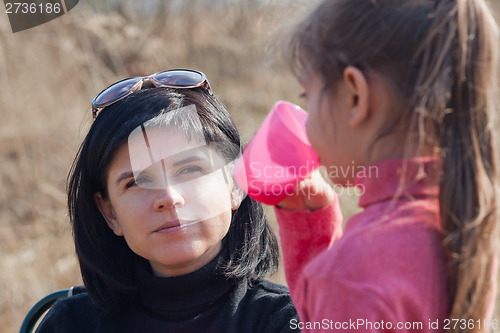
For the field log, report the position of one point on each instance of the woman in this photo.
(165, 240)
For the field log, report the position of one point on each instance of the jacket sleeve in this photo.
(305, 234)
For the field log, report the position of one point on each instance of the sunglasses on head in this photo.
(172, 78)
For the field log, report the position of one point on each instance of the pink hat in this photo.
(278, 157)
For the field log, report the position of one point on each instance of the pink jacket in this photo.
(387, 272)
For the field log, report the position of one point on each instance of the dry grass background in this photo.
(48, 77)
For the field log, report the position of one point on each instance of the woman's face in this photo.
(170, 199)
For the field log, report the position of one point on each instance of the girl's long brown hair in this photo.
(440, 59)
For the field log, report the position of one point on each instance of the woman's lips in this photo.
(168, 226)
(174, 226)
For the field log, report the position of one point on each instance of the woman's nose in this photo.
(167, 198)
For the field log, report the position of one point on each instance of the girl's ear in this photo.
(108, 213)
(357, 87)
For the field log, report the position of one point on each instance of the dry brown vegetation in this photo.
(49, 75)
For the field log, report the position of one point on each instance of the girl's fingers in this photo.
(310, 194)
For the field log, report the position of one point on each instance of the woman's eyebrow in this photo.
(191, 155)
(123, 176)
(188, 160)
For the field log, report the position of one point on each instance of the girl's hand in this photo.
(310, 194)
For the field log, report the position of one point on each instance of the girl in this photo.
(165, 241)
(403, 92)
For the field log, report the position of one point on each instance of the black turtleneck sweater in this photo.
(201, 301)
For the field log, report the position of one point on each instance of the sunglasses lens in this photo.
(180, 78)
(115, 91)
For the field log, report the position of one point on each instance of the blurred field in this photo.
(49, 76)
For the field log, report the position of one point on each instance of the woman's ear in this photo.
(237, 196)
(108, 213)
(236, 192)
(358, 89)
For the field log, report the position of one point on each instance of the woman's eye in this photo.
(190, 170)
(137, 182)
(188, 173)
(130, 184)
(303, 95)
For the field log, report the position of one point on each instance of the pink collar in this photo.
(398, 178)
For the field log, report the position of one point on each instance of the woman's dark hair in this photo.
(107, 263)
(439, 58)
